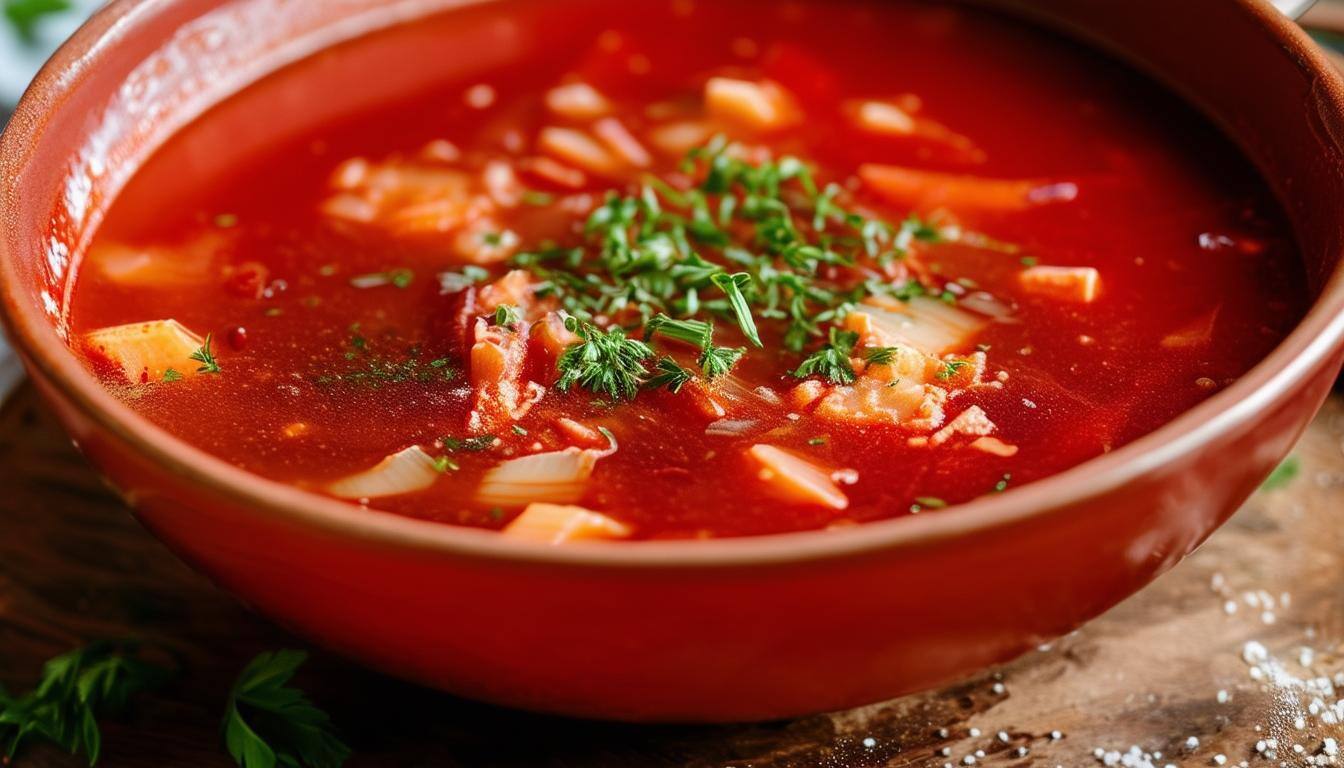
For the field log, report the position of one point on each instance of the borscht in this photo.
(675, 270)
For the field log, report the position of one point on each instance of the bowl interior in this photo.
(140, 71)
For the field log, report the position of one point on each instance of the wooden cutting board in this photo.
(74, 566)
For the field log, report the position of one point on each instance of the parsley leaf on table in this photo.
(24, 15)
(74, 687)
(269, 724)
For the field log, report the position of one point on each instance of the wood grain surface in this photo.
(75, 566)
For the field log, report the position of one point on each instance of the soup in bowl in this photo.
(529, 351)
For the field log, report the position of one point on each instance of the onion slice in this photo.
(555, 477)
(403, 472)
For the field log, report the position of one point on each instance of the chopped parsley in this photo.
(1002, 485)
(205, 357)
(444, 464)
(170, 375)
(817, 441)
(831, 362)
(507, 316)
(716, 361)
(670, 375)
(518, 430)
(400, 278)
(881, 355)
(473, 444)
(927, 502)
(374, 369)
(950, 368)
(452, 282)
(751, 242)
(733, 286)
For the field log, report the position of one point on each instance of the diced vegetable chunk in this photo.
(1076, 284)
(795, 480)
(927, 324)
(144, 352)
(557, 477)
(561, 523)
(580, 150)
(962, 193)
(761, 106)
(502, 396)
(405, 471)
(577, 101)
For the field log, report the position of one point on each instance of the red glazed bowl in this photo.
(691, 631)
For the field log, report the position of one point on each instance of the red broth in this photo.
(317, 276)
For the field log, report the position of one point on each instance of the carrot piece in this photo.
(794, 479)
(577, 101)
(497, 360)
(618, 139)
(561, 523)
(579, 149)
(762, 106)
(580, 433)
(994, 446)
(1078, 284)
(931, 189)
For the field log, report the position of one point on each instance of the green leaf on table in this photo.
(24, 15)
(268, 723)
(1282, 474)
(74, 688)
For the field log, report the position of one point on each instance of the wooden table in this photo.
(75, 566)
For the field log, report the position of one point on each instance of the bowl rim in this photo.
(1309, 345)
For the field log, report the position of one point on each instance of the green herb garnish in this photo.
(267, 723)
(881, 355)
(170, 375)
(206, 357)
(25, 15)
(604, 362)
(950, 369)
(716, 361)
(74, 689)
(474, 444)
(400, 278)
(507, 316)
(831, 362)
(670, 375)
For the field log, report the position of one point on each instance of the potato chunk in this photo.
(144, 352)
(961, 193)
(794, 479)
(561, 523)
(1075, 284)
(762, 106)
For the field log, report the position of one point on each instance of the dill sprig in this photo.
(831, 362)
(669, 374)
(206, 357)
(604, 362)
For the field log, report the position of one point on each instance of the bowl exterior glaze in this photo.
(730, 630)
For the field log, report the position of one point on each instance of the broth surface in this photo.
(339, 342)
